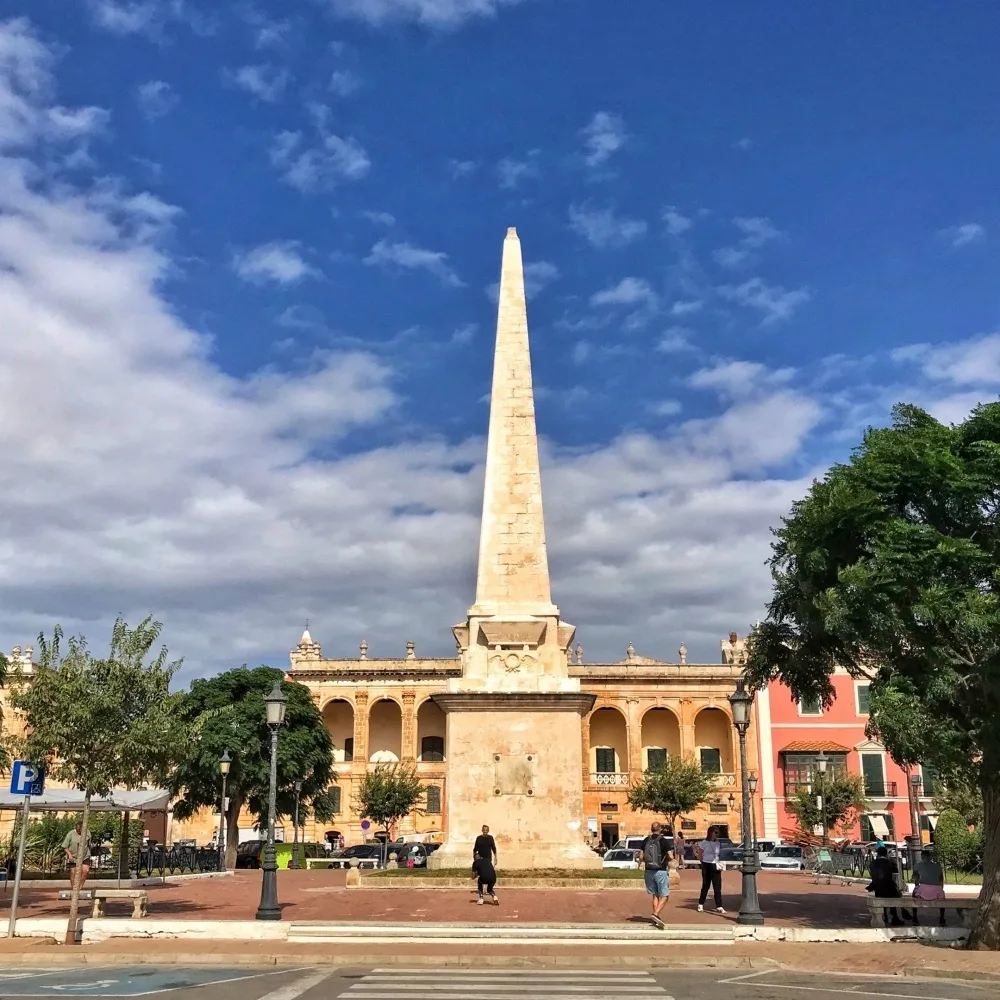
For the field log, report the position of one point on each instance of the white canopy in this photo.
(71, 800)
(879, 826)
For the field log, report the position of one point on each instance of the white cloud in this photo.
(465, 333)
(757, 231)
(432, 13)
(343, 82)
(731, 256)
(380, 218)
(462, 168)
(963, 235)
(628, 292)
(975, 361)
(602, 228)
(744, 145)
(686, 307)
(676, 222)
(147, 17)
(666, 408)
(603, 136)
(280, 261)
(157, 98)
(739, 378)
(581, 352)
(321, 166)
(773, 301)
(538, 275)
(263, 81)
(511, 172)
(413, 258)
(675, 340)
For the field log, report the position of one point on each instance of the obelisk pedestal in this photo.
(514, 716)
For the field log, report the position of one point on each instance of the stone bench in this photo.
(139, 897)
(964, 906)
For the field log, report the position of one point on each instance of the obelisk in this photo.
(514, 716)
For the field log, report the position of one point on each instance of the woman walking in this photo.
(707, 853)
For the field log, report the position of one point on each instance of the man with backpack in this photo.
(656, 862)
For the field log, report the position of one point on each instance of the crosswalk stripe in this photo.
(656, 994)
(461, 981)
(446, 973)
(577, 985)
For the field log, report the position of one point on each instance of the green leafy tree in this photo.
(843, 799)
(227, 712)
(388, 793)
(964, 798)
(890, 568)
(98, 724)
(676, 788)
(955, 844)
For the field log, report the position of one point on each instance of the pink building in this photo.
(793, 733)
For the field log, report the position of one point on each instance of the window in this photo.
(872, 827)
(864, 698)
(334, 793)
(348, 749)
(810, 706)
(928, 779)
(800, 770)
(873, 770)
(606, 760)
(433, 799)
(432, 748)
(711, 760)
(656, 759)
(609, 807)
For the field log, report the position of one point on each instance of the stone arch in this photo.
(608, 741)
(660, 733)
(338, 717)
(385, 731)
(430, 732)
(713, 738)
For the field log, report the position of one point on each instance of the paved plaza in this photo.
(787, 900)
(293, 983)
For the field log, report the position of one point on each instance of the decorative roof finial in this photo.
(630, 652)
(364, 649)
(579, 653)
(683, 653)
(410, 650)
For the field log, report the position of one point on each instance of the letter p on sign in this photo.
(26, 779)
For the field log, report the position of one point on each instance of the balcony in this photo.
(880, 789)
(617, 779)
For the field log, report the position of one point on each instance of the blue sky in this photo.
(248, 253)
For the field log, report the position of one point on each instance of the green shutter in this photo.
(864, 699)
(605, 760)
(711, 760)
(433, 799)
(872, 769)
(656, 760)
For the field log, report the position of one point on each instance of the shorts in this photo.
(657, 883)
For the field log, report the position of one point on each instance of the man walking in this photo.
(77, 853)
(656, 861)
(485, 847)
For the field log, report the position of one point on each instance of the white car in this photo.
(785, 858)
(622, 859)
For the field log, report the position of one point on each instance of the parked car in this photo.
(365, 856)
(412, 855)
(629, 844)
(620, 858)
(785, 858)
(765, 847)
(250, 854)
(730, 857)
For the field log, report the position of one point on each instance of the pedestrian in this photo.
(485, 847)
(655, 859)
(883, 884)
(679, 848)
(487, 878)
(928, 881)
(77, 853)
(711, 874)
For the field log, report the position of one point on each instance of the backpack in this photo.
(652, 852)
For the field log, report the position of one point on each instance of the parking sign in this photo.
(26, 779)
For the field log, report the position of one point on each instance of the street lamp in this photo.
(821, 764)
(274, 704)
(742, 702)
(752, 786)
(225, 762)
(294, 863)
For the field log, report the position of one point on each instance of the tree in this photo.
(676, 788)
(843, 800)
(99, 724)
(227, 712)
(890, 568)
(388, 793)
(956, 847)
(964, 798)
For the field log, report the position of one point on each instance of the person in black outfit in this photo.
(883, 884)
(487, 876)
(485, 847)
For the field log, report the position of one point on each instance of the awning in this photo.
(879, 827)
(931, 819)
(71, 800)
(813, 746)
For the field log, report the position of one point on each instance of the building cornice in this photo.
(514, 701)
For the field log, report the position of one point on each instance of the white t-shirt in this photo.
(710, 851)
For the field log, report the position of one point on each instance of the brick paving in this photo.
(787, 900)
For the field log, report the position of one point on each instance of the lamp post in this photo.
(752, 786)
(225, 762)
(268, 909)
(294, 863)
(822, 761)
(742, 702)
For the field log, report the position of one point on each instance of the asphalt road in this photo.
(456, 984)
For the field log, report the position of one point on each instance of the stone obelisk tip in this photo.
(511, 233)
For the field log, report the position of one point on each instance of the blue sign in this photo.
(26, 779)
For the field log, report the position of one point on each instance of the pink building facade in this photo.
(792, 734)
